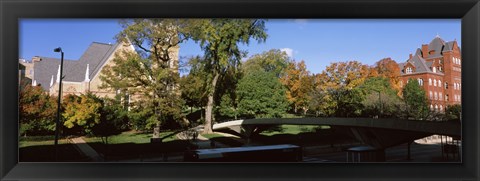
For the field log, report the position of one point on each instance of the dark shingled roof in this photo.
(73, 70)
(422, 66)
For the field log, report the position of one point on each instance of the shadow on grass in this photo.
(125, 151)
(46, 153)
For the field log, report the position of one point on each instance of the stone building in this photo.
(80, 76)
(437, 68)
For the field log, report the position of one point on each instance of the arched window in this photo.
(441, 108)
(454, 86)
(440, 96)
(446, 97)
(434, 82)
(439, 83)
(436, 96)
(446, 85)
(436, 107)
(429, 81)
(431, 107)
(409, 70)
(420, 81)
(431, 95)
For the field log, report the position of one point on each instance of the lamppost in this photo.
(57, 124)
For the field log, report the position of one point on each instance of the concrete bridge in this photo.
(378, 133)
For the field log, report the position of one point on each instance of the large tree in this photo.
(37, 111)
(82, 111)
(416, 101)
(274, 60)
(260, 95)
(299, 84)
(220, 39)
(150, 74)
(380, 98)
(337, 81)
(388, 68)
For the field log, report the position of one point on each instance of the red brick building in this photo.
(437, 68)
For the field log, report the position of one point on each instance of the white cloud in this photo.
(288, 51)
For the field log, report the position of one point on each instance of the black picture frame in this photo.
(11, 11)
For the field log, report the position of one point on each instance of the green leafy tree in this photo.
(150, 73)
(380, 98)
(220, 39)
(416, 101)
(113, 119)
(261, 95)
(37, 111)
(275, 61)
(453, 112)
(83, 111)
(337, 81)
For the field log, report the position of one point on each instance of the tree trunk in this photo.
(208, 114)
(156, 131)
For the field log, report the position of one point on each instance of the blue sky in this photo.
(318, 42)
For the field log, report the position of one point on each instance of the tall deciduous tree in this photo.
(260, 94)
(388, 68)
(416, 101)
(150, 74)
(380, 98)
(337, 80)
(220, 39)
(275, 61)
(299, 84)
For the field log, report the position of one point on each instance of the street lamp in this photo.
(57, 124)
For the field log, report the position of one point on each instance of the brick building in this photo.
(437, 68)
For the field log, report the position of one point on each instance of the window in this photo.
(446, 85)
(446, 97)
(431, 95)
(440, 96)
(436, 96)
(434, 82)
(409, 70)
(431, 107)
(429, 81)
(436, 107)
(439, 83)
(434, 69)
(420, 81)
(441, 108)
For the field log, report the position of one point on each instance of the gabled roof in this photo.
(437, 44)
(73, 70)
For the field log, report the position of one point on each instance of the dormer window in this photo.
(434, 69)
(409, 70)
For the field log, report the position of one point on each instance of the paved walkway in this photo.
(83, 147)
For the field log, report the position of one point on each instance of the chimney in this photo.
(36, 59)
(424, 50)
(410, 56)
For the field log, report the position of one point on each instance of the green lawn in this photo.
(39, 141)
(131, 137)
(212, 135)
(293, 129)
